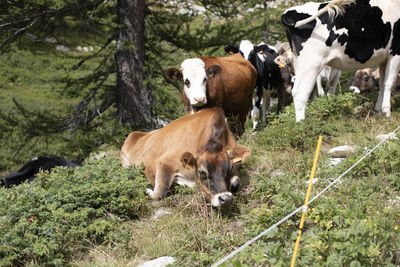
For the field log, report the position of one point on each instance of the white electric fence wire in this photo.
(233, 253)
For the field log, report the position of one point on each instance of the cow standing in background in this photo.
(285, 62)
(226, 82)
(269, 80)
(347, 35)
(195, 150)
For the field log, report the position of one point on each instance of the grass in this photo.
(354, 223)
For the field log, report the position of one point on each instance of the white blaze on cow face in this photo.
(194, 81)
(246, 47)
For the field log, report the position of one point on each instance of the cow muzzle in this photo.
(199, 101)
(354, 89)
(222, 200)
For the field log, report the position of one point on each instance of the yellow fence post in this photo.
(305, 207)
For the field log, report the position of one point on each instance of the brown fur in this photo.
(231, 89)
(181, 148)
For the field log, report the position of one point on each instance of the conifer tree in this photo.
(145, 33)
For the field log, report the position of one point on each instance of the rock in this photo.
(276, 172)
(160, 212)
(50, 40)
(159, 262)
(390, 136)
(334, 161)
(62, 48)
(98, 156)
(342, 151)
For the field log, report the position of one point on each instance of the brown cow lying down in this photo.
(226, 82)
(197, 149)
(366, 79)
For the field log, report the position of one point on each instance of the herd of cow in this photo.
(218, 93)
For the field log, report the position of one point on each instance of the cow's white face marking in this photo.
(194, 81)
(246, 47)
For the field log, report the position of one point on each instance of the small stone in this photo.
(276, 172)
(342, 151)
(159, 262)
(390, 136)
(161, 212)
(334, 161)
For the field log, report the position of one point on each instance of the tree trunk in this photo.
(134, 100)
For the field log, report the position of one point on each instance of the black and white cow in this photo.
(347, 35)
(269, 78)
(29, 170)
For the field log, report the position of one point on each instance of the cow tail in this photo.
(334, 8)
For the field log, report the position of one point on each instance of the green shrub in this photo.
(63, 213)
(283, 131)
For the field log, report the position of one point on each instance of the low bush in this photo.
(68, 211)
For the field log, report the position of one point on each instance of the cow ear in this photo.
(239, 154)
(260, 49)
(231, 49)
(212, 71)
(174, 74)
(280, 61)
(188, 160)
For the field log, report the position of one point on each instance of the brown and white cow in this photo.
(197, 149)
(285, 61)
(225, 82)
(366, 79)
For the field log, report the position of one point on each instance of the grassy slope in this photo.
(356, 222)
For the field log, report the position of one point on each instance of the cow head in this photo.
(286, 65)
(217, 174)
(364, 80)
(194, 77)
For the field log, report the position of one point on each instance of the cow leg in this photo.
(303, 86)
(378, 105)
(265, 104)
(389, 80)
(163, 180)
(255, 112)
(333, 83)
(319, 86)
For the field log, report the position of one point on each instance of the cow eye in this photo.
(205, 80)
(202, 174)
(187, 82)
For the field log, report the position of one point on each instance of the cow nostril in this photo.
(225, 199)
(199, 99)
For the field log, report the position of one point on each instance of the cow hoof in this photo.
(149, 192)
(386, 111)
